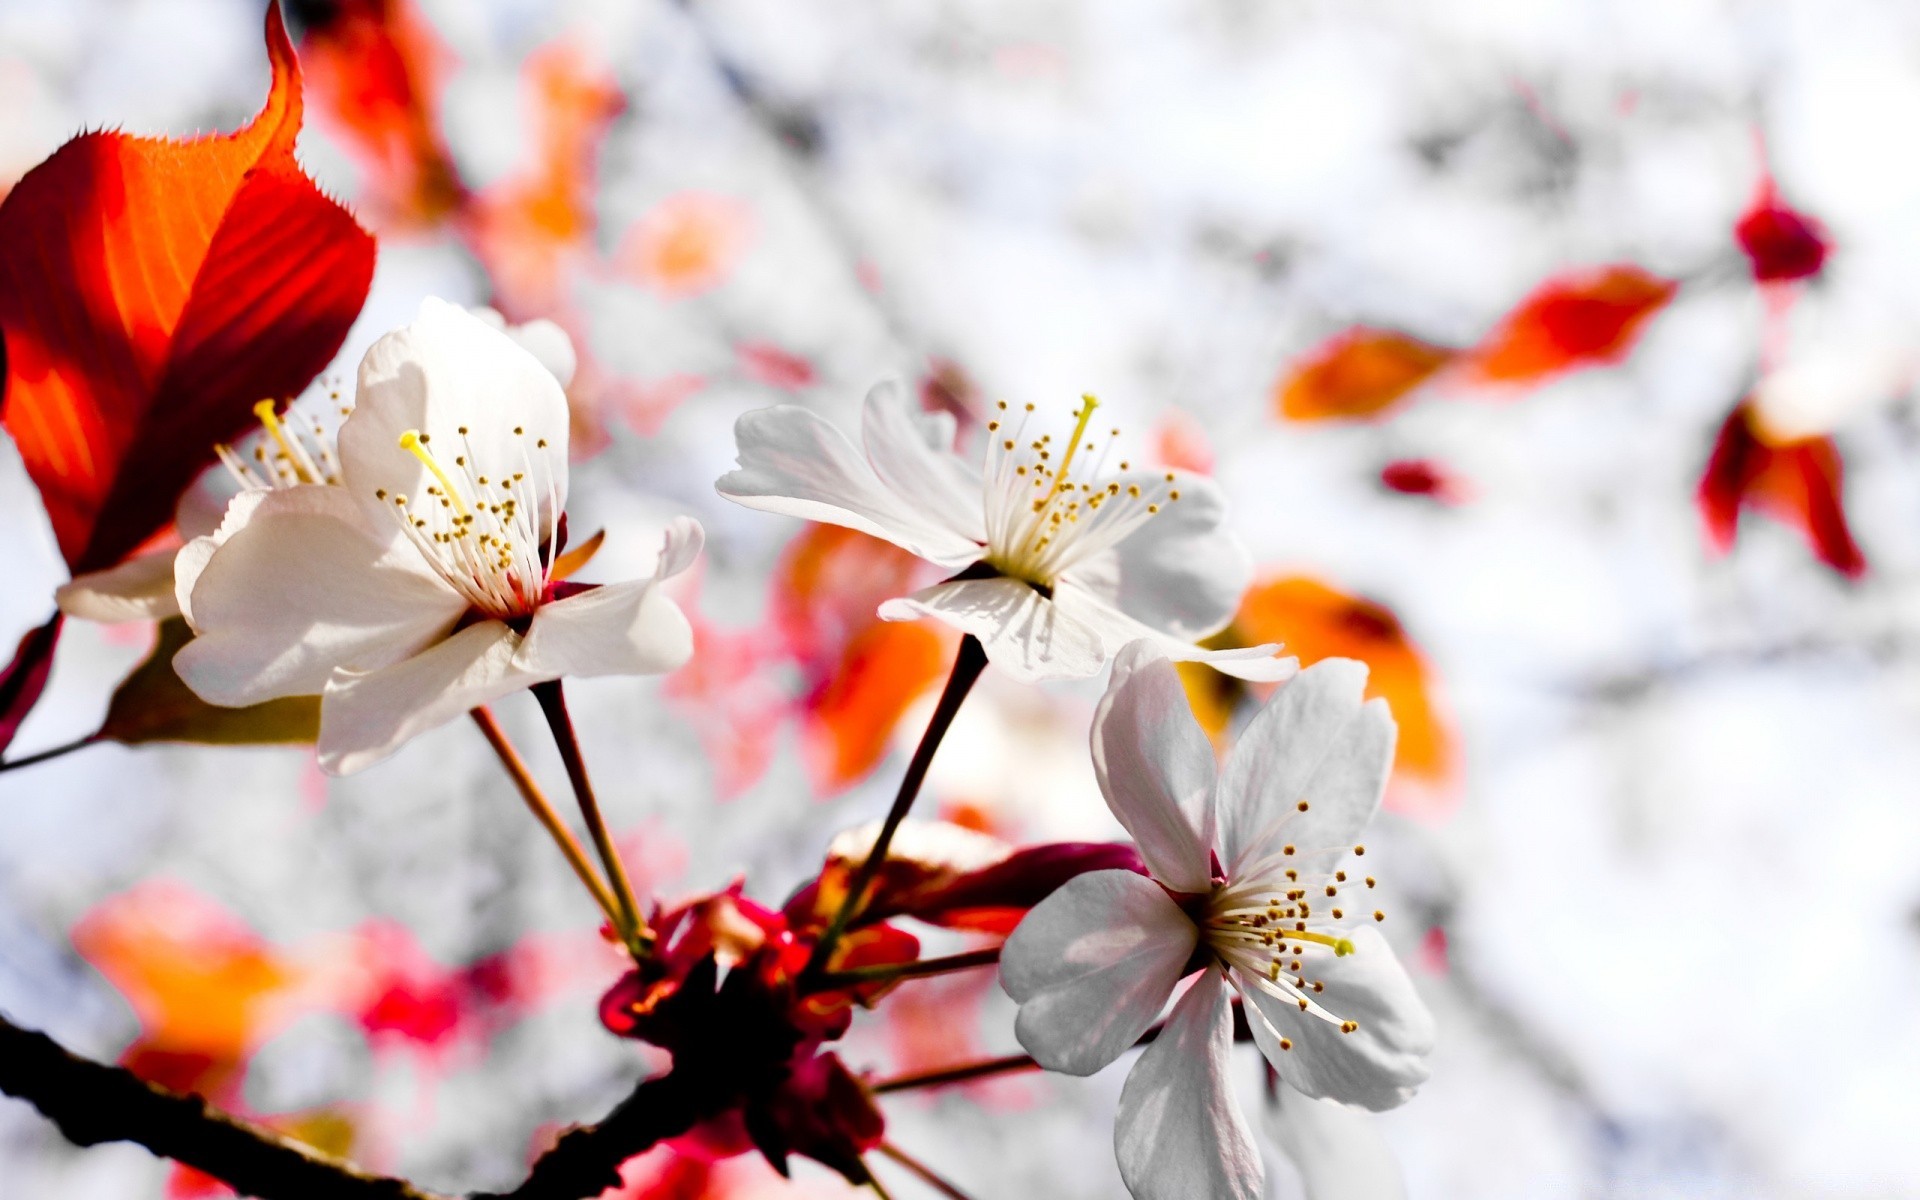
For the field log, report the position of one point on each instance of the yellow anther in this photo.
(410, 442)
(271, 423)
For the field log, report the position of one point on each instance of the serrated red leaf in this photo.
(151, 291)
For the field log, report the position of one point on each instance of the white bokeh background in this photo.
(1682, 886)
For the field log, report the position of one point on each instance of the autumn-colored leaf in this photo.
(26, 677)
(1316, 621)
(1356, 374)
(1780, 242)
(1423, 477)
(374, 67)
(153, 705)
(151, 291)
(828, 584)
(1580, 319)
(1795, 481)
(850, 722)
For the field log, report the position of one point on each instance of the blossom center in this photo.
(1282, 923)
(487, 535)
(1045, 517)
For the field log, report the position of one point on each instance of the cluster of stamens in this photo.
(1283, 919)
(1043, 514)
(489, 536)
(294, 447)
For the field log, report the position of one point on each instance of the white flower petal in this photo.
(1115, 629)
(1377, 1066)
(301, 589)
(794, 463)
(1155, 767)
(1313, 740)
(1178, 1133)
(193, 557)
(619, 629)
(1183, 572)
(448, 371)
(1025, 634)
(366, 716)
(1091, 967)
(139, 589)
(1337, 1149)
(911, 450)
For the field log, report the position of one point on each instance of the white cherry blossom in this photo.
(420, 584)
(1258, 885)
(1055, 561)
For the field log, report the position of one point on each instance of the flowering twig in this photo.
(633, 930)
(52, 752)
(543, 812)
(925, 1173)
(967, 665)
(94, 1103)
(887, 972)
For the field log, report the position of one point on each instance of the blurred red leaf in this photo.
(766, 363)
(850, 719)
(1579, 319)
(1356, 374)
(151, 291)
(26, 677)
(374, 67)
(1781, 243)
(1797, 482)
(1422, 477)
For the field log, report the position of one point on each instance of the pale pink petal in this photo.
(140, 589)
(1024, 633)
(1115, 629)
(1155, 767)
(304, 589)
(1315, 741)
(446, 372)
(1377, 1066)
(366, 716)
(1178, 1133)
(797, 464)
(1091, 967)
(1338, 1150)
(911, 450)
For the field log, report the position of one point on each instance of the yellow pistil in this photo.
(1341, 946)
(271, 423)
(1080, 420)
(411, 442)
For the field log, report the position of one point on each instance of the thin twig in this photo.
(925, 1173)
(633, 930)
(887, 972)
(959, 1074)
(93, 1103)
(543, 812)
(40, 756)
(967, 665)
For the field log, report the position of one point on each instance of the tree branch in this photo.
(92, 1103)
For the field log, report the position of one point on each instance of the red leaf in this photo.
(1423, 477)
(151, 291)
(1581, 319)
(1357, 374)
(1797, 482)
(1782, 243)
(26, 677)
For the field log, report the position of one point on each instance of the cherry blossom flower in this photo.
(1056, 564)
(294, 445)
(1257, 884)
(420, 585)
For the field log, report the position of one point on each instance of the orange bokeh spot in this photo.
(1580, 319)
(689, 242)
(1356, 374)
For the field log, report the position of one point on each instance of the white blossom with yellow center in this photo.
(1055, 560)
(1258, 886)
(409, 578)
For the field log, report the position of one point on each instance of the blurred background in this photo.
(1557, 360)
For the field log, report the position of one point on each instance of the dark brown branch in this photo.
(92, 1103)
(587, 1160)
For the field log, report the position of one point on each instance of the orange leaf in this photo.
(884, 669)
(1796, 481)
(1580, 319)
(1359, 373)
(1315, 622)
(150, 292)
